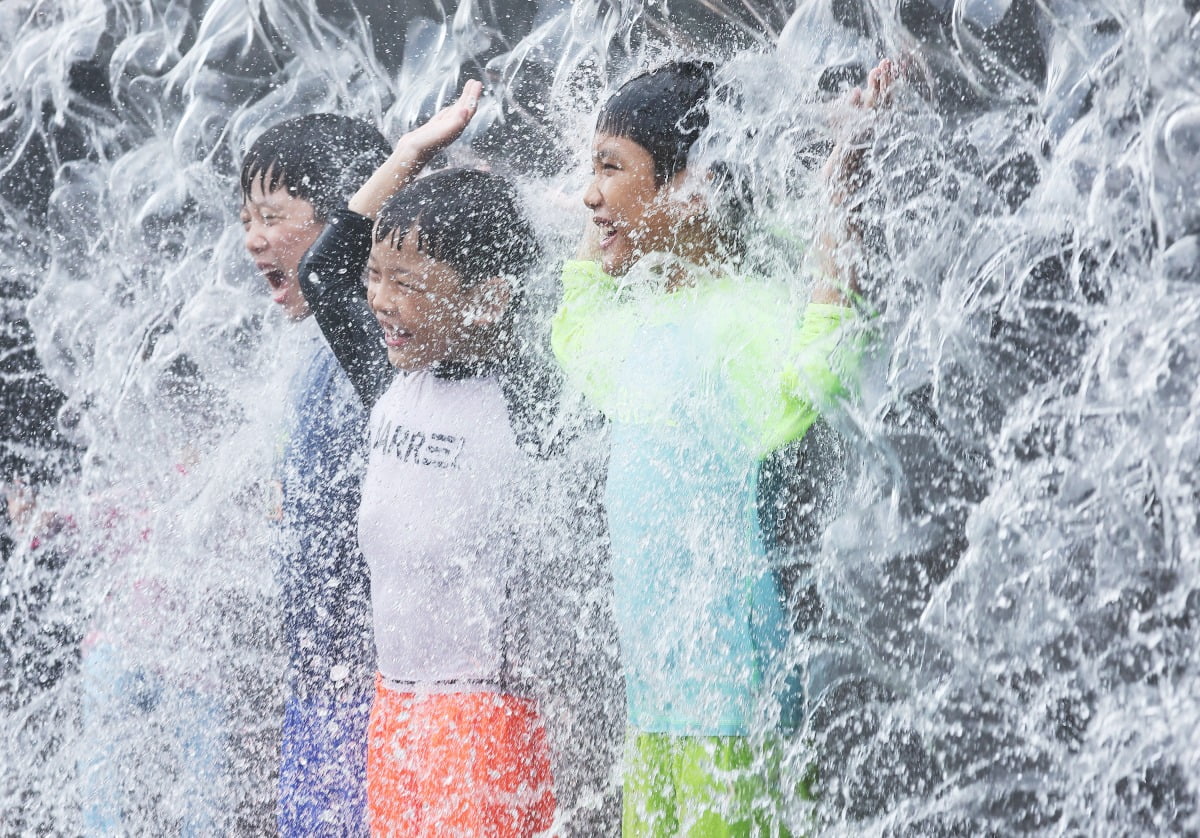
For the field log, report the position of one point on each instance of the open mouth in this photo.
(395, 336)
(608, 232)
(275, 278)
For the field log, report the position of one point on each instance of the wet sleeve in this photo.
(331, 279)
(826, 358)
(818, 369)
(590, 331)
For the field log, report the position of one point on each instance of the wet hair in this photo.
(664, 111)
(321, 157)
(471, 220)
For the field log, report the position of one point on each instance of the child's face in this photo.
(280, 228)
(634, 214)
(420, 302)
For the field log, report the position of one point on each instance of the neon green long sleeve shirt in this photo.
(698, 385)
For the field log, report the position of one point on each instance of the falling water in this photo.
(991, 552)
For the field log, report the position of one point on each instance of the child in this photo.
(294, 175)
(701, 375)
(454, 749)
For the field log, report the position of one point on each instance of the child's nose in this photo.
(256, 242)
(592, 198)
(381, 301)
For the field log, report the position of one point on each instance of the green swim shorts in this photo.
(705, 787)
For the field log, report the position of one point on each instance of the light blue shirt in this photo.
(698, 385)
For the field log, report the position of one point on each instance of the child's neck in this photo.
(695, 256)
(485, 355)
(699, 247)
(679, 272)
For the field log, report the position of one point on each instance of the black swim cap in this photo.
(663, 111)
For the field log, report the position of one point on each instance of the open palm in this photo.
(447, 125)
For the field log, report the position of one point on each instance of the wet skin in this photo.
(279, 229)
(424, 311)
(632, 214)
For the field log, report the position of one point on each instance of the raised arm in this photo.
(331, 277)
(331, 274)
(846, 175)
(826, 355)
(785, 366)
(414, 150)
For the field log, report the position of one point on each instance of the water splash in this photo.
(995, 596)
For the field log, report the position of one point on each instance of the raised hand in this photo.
(846, 173)
(878, 90)
(415, 149)
(445, 126)
(854, 130)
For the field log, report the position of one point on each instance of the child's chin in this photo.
(402, 360)
(616, 264)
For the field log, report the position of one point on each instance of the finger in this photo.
(872, 95)
(879, 89)
(891, 77)
(470, 94)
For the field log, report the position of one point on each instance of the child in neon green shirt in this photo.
(700, 375)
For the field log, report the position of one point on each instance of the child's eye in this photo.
(408, 287)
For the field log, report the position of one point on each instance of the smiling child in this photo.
(294, 175)
(456, 747)
(701, 373)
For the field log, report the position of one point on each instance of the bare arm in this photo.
(845, 176)
(414, 150)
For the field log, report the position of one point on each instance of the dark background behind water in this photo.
(994, 576)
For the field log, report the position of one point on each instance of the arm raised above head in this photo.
(846, 174)
(415, 149)
(786, 366)
(331, 273)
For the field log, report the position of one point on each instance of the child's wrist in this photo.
(409, 153)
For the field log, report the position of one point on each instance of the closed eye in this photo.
(408, 286)
(376, 275)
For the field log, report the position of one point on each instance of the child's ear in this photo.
(489, 301)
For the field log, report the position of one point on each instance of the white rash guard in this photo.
(436, 526)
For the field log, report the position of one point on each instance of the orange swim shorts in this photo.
(464, 764)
